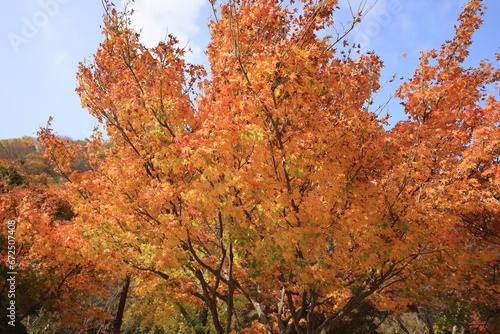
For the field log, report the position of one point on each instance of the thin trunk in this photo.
(295, 317)
(230, 297)
(401, 325)
(117, 323)
(202, 319)
(429, 323)
(210, 300)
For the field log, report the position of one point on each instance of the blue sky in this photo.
(42, 42)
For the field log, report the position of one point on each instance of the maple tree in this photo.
(54, 276)
(268, 196)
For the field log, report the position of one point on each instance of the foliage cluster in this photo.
(268, 196)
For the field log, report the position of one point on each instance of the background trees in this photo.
(55, 275)
(59, 284)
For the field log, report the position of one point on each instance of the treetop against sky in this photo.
(44, 40)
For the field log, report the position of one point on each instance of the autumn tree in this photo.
(18, 148)
(27, 155)
(55, 277)
(268, 196)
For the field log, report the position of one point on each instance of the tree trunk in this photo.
(429, 322)
(202, 319)
(117, 323)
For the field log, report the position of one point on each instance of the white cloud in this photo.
(181, 18)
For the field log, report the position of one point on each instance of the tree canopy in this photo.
(266, 195)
